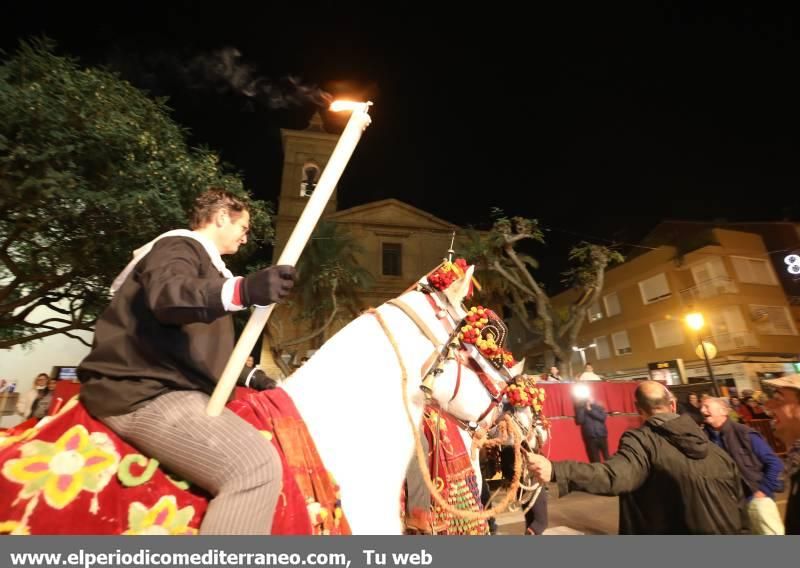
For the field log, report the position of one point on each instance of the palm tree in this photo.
(329, 283)
(558, 325)
(496, 290)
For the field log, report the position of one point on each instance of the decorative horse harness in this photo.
(451, 350)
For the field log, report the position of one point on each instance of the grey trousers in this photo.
(223, 455)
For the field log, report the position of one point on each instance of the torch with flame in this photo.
(359, 120)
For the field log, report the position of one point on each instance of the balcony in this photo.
(708, 289)
(734, 340)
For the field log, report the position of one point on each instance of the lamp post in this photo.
(581, 351)
(696, 321)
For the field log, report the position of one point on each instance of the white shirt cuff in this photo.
(227, 295)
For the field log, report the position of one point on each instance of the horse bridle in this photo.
(450, 350)
(440, 356)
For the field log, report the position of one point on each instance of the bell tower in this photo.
(305, 155)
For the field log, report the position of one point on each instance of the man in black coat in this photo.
(670, 479)
(159, 349)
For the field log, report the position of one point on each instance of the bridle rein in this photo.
(452, 350)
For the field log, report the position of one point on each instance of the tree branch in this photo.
(79, 338)
(34, 295)
(538, 292)
(578, 312)
(501, 270)
(518, 305)
(7, 290)
(543, 307)
(7, 343)
(9, 262)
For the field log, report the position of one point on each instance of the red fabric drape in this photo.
(615, 397)
(275, 412)
(42, 492)
(452, 472)
(68, 477)
(566, 442)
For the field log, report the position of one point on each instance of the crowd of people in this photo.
(693, 467)
(35, 403)
(699, 469)
(554, 375)
(742, 410)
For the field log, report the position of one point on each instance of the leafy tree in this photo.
(90, 169)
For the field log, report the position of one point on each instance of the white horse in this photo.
(351, 396)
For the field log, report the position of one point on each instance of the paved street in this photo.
(578, 513)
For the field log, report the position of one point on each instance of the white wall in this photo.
(22, 363)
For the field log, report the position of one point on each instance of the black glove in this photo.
(268, 286)
(256, 379)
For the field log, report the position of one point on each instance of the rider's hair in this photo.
(213, 200)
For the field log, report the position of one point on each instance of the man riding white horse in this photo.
(159, 349)
(361, 390)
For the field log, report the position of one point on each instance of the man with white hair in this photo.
(760, 467)
(785, 406)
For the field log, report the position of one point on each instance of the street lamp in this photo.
(695, 321)
(581, 351)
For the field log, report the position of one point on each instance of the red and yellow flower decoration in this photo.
(448, 272)
(164, 518)
(326, 520)
(7, 439)
(523, 392)
(60, 470)
(14, 528)
(474, 331)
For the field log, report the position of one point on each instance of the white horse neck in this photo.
(351, 399)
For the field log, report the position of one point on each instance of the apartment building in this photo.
(639, 322)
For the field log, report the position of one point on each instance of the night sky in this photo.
(599, 124)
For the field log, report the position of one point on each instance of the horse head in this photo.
(365, 388)
(469, 368)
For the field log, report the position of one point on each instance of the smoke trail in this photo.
(226, 72)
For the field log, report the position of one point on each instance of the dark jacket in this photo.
(792, 521)
(164, 330)
(758, 464)
(41, 405)
(670, 479)
(593, 421)
(693, 411)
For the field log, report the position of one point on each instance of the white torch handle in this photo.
(359, 120)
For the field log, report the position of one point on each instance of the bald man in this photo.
(669, 477)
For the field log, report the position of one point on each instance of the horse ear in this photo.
(459, 289)
(517, 369)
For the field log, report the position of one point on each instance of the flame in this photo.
(338, 106)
